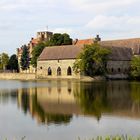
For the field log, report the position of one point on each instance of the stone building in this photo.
(57, 62)
(133, 43)
(41, 36)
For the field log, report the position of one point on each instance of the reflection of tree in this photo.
(58, 118)
(6, 95)
(93, 98)
(25, 100)
(135, 92)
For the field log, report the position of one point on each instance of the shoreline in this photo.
(32, 76)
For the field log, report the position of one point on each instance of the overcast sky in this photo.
(111, 19)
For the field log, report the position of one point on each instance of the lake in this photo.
(66, 110)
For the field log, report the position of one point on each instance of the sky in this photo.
(111, 19)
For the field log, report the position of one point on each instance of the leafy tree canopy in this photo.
(135, 67)
(36, 52)
(92, 61)
(24, 58)
(13, 62)
(60, 39)
(4, 60)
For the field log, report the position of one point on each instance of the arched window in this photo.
(119, 70)
(69, 71)
(59, 71)
(112, 70)
(42, 36)
(125, 70)
(49, 71)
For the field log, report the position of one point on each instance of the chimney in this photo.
(75, 41)
(97, 39)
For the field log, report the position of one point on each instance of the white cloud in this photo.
(63, 30)
(79, 18)
(102, 6)
(114, 23)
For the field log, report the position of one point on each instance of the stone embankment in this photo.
(17, 76)
(32, 76)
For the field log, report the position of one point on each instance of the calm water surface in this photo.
(64, 110)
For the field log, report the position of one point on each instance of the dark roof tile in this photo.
(134, 44)
(72, 51)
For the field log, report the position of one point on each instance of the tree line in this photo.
(8, 63)
(92, 61)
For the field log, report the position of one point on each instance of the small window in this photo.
(41, 68)
(69, 71)
(59, 71)
(69, 90)
(126, 70)
(119, 70)
(49, 71)
(112, 70)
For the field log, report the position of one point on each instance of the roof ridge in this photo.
(121, 39)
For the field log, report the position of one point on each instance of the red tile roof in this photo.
(84, 42)
(35, 41)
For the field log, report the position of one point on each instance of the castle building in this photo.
(57, 61)
(41, 36)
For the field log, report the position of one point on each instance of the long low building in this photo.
(57, 61)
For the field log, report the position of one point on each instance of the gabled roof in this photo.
(120, 53)
(134, 44)
(61, 52)
(72, 52)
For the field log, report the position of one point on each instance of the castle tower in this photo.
(44, 35)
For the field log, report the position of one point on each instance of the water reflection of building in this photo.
(55, 101)
(58, 101)
(59, 98)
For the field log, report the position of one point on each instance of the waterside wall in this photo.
(17, 76)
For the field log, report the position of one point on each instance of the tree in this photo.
(135, 67)
(36, 53)
(92, 61)
(60, 39)
(56, 40)
(24, 58)
(92, 98)
(4, 60)
(66, 39)
(13, 63)
(0, 63)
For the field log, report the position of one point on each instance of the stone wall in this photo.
(118, 67)
(43, 66)
(17, 76)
